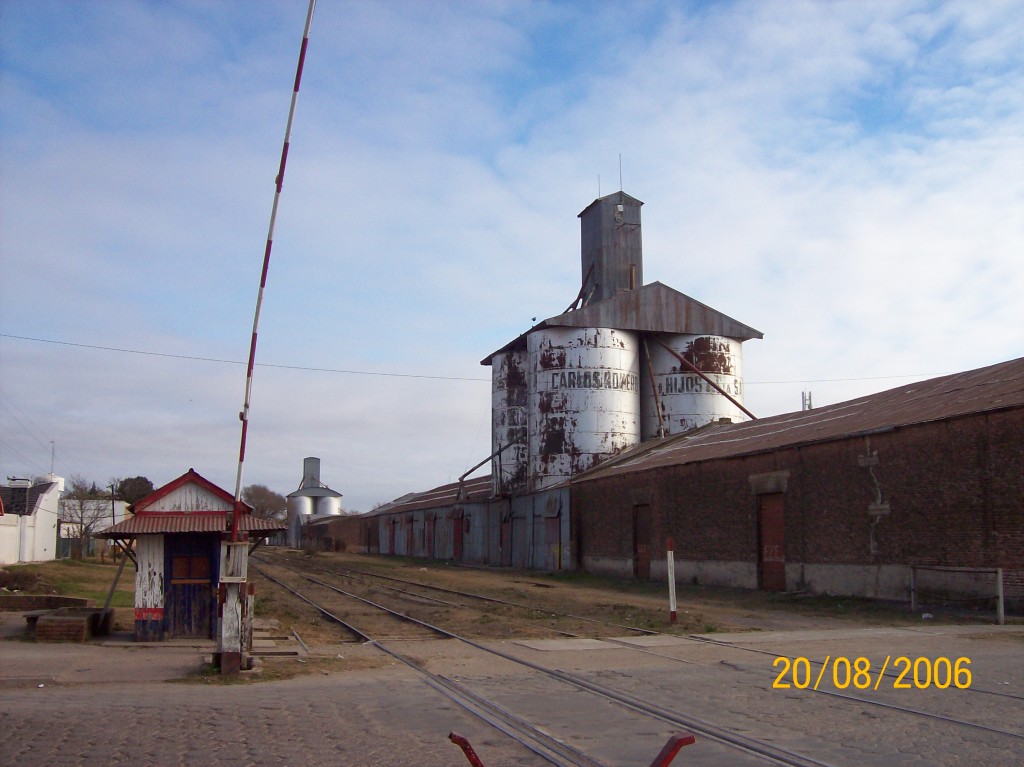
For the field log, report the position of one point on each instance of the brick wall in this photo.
(954, 490)
(62, 629)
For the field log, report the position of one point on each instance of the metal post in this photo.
(670, 562)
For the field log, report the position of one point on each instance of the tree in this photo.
(265, 502)
(84, 509)
(134, 489)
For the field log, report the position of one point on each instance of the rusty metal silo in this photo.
(680, 400)
(584, 399)
(509, 421)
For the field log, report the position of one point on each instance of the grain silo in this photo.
(625, 362)
(584, 404)
(675, 398)
(313, 500)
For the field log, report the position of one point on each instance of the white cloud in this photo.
(846, 177)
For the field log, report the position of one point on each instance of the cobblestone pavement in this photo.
(106, 705)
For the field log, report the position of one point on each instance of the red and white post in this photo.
(670, 566)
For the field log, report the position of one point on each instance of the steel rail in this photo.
(485, 598)
(536, 740)
(355, 631)
(766, 751)
(687, 637)
(626, 645)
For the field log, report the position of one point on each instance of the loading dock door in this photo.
(642, 542)
(771, 549)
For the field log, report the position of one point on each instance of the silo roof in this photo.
(654, 308)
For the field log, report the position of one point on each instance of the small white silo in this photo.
(312, 499)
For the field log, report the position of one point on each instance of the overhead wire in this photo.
(345, 371)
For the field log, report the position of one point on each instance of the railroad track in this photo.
(367, 575)
(530, 735)
(413, 592)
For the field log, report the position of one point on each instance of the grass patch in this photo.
(83, 578)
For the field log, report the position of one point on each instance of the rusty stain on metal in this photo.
(710, 354)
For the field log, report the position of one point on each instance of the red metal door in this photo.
(428, 536)
(553, 543)
(771, 549)
(642, 542)
(457, 536)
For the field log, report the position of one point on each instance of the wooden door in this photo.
(771, 548)
(642, 541)
(192, 562)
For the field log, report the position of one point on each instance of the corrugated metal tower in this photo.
(626, 362)
(312, 500)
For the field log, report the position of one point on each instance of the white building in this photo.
(29, 512)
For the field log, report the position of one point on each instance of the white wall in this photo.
(33, 537)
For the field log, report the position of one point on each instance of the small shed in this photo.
(178, 531)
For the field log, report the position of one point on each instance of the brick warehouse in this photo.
(843, 499)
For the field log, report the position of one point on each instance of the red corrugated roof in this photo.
(157, 524)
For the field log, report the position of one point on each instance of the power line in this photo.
(411, 375)
(238, 362)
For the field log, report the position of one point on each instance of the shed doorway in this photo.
(771, 545)
(192, 562)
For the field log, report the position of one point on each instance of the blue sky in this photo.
(847, 177)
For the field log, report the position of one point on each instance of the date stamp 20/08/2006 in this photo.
(859, 673)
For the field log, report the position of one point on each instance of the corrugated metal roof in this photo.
(155, 524)
(475, 489)
(654, 308)
(997, 387)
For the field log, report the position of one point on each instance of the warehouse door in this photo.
(428, 536)
(771, 549)
(192, 562)
(457, 536)
(642, 541)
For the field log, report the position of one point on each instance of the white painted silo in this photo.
(584, 399)
(300, 510)
(328, 506)
(509, 421)
(313, 498)
(684, 399)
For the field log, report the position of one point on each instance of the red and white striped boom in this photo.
(279, 182)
